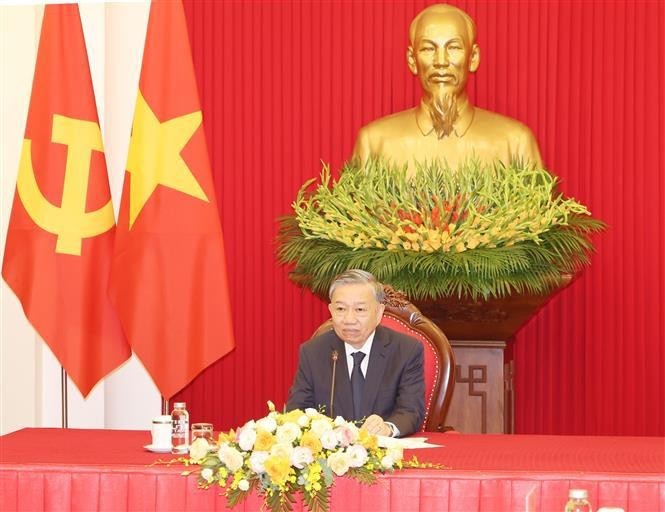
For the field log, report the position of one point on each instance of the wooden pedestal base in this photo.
(479, 404)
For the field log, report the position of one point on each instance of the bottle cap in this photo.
(579, 494)
(179, 405)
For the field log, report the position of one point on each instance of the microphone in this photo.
(334, 357)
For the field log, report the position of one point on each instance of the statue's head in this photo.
(443, 51)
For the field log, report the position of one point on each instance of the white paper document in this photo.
(409, 443)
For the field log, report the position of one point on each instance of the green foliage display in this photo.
(479, 231)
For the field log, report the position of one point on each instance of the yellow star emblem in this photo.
(154, 156)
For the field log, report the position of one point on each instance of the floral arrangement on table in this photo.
(481, 230)
(285, 453)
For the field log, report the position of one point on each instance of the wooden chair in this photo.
(402, 316)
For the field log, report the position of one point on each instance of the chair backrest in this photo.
(402, 316)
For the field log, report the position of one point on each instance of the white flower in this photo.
(329, 439)
(282, 450)
(243, 485)
(301, 457)
(311, 412)
(288, 433)
(339, 462)
(321, 425)
(230, 457)
(339, 421)
(347, 434)
(246, 437)
(395, 452)
(198, 450)
(387, 462)
(303, 421)
(206, 474)
(357, 455)
(268, 424)
(257, 460)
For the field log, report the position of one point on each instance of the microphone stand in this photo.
(334, 357)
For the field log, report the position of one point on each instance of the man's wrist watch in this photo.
(393, 429)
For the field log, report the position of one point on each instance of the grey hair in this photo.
(357, 276)
(443, 9)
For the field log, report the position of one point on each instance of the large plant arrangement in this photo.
(481, 230)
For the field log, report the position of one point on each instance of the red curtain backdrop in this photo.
(286, 84)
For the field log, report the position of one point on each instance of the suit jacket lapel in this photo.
(378, 359)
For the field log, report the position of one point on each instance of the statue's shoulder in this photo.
(518, 139)
(494, 123)
(396, 124)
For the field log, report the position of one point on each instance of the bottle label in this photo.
(180, 433)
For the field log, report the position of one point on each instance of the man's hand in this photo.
(374, 424)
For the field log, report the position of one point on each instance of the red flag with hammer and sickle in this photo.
(61, 230)
(168, 278)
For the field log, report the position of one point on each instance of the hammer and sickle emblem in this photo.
(69, 221)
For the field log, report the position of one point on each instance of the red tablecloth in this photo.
(54, 469)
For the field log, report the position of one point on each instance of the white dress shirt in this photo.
(366, 348)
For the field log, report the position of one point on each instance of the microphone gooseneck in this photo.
(334, 357)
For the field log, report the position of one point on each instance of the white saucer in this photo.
(157, 449)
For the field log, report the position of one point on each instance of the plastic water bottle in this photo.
(578, 501)
(180, 428)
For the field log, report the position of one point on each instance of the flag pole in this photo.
(63, 396)
(165, 406)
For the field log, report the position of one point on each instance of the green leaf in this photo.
(317, 501)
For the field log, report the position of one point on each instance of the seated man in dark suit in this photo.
(387, 388)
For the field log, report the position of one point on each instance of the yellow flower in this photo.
(264, 440)
(473, 242)
(290, 417)
(313, 479)
(309, 440)
(279, 469)
(369, 441)
(460, 247)
(226, 437)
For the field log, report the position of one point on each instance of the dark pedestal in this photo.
(479, 331)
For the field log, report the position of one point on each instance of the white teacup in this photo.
(161, 432)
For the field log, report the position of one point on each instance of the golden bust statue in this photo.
(445, 126)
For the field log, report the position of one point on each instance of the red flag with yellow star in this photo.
(168, 279)
(60, 236)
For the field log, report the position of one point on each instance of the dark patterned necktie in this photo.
(357, 383)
